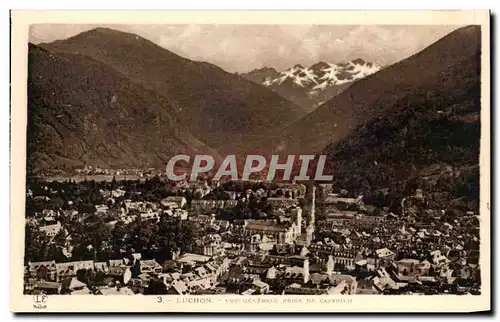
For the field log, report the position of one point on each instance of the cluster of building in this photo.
(350, 248)
(97, 170)
(127, 276)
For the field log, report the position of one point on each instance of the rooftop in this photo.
(265, 226)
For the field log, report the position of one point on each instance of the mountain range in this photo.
(430, 75)
(311, 86)
(117, 99)
(211, 102)
(84, 112)
(419, 118)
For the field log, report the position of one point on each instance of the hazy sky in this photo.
(241, 48)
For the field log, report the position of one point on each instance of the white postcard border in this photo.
(19, 302)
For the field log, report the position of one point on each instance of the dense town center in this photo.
(155, 236)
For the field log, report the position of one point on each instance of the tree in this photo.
(36, 244)
(136, 268)
(197, 195)
(60, 238)
(432, 271)
(155, 286)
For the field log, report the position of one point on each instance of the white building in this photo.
(51, 230)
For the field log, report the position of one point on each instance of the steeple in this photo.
(309, 234)
(312, 212)
(330, 265)
(298, 220)
(306, 271)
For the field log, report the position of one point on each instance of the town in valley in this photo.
(393, 113)
(155, 236)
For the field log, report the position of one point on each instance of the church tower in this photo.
(306, 271)
(298, 220)
(330, 265)
(312, 212)
(309, 234)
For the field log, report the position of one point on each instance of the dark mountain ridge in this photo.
(81, 111)
(214, 104)
(428, 138)
(426, 74)
(259, 75)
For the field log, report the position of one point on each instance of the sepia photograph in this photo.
(217, 165)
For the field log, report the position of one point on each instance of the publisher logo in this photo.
(40, 299)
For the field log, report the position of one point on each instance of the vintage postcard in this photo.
(237, 161)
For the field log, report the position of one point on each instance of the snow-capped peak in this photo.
(323, 75)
